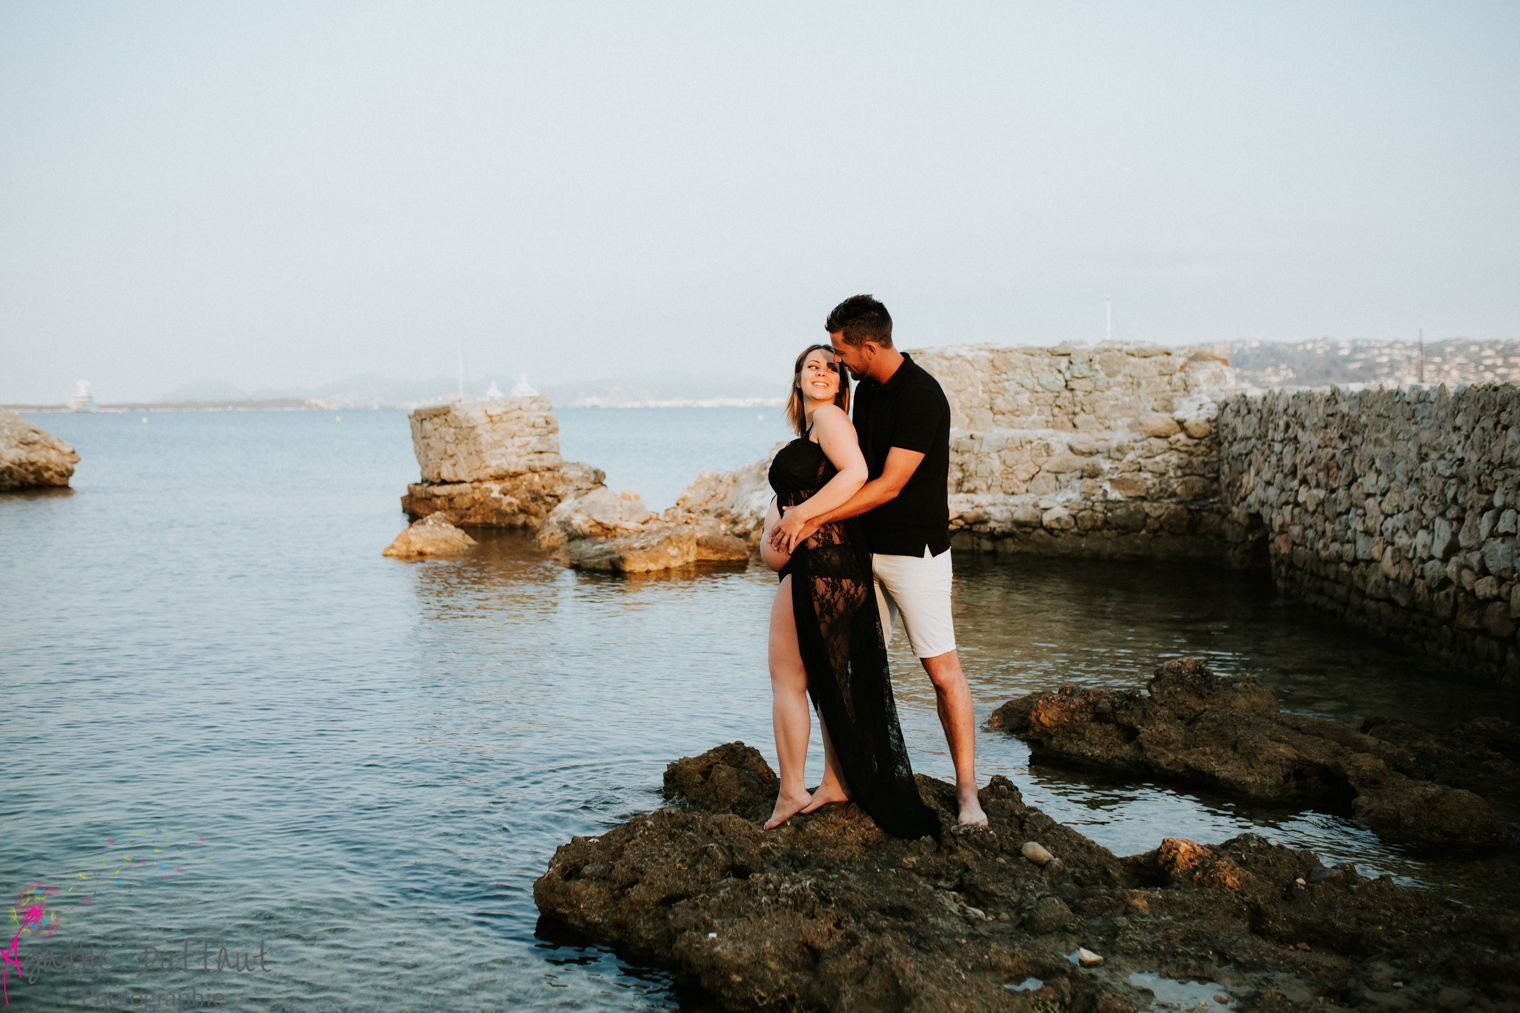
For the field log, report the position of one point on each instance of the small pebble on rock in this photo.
(1035, 853)
(1222, 999)
(1300, 881)
(1087, 958)
(1302, 946)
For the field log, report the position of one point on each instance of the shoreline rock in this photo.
(31, 457)
(433, 535)
(827, 912)
(1227, 734)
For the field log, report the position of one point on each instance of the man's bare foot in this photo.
(787, 806)
(824, 795)
(971, 811)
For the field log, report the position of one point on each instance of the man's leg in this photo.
(953, 698)
(919, 590)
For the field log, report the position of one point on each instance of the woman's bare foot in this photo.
(787, 806)
(971, 810)
(825, 794)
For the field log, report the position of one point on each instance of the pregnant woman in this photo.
(825, 635)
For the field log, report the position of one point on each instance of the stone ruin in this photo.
(494, 463)
(1094, 451)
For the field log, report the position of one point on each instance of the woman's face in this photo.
(819, 380)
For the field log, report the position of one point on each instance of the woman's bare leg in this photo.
(789, 707)
(834, 787)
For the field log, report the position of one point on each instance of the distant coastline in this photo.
(270, 405)
(313, 405)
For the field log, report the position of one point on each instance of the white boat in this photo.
(82, 401)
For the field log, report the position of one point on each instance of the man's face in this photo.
(857, 359)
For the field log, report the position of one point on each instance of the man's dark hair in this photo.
(859, 319)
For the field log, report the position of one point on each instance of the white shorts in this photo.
(920, 590)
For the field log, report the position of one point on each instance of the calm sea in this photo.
(229, 723)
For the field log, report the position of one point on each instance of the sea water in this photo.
(245, 755)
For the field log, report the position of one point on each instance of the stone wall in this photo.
(1394, 509)
(1099, 451)
(493, 462)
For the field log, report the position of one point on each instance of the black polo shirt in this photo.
(909, 411)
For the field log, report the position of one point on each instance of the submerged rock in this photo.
(827, 912)
(431, 536)
(1226, 733)
(30, 456)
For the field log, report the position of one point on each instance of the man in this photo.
(903, 420)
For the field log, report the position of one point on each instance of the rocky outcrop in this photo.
(717, 520)
(828, 913)
(1196, 727)
(433, 535)
(1098, 451)
(30, 456)
(1394, 509)
(520, 502)
(494, 463)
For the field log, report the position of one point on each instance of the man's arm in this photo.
(899, 467)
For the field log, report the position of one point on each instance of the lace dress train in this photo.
(840, 638)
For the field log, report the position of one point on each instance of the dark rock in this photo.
(732, 778)
(1227, 734)
(1481, 754)
(1050, 914)
(1185, 686)
(829, 913)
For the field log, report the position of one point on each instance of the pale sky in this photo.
(279, 194)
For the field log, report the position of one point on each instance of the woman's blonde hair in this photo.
(796, 414)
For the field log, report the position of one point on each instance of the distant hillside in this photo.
(1328, 361)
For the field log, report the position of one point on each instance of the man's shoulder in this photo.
(920, 385)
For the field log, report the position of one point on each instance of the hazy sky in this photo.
(286, 194)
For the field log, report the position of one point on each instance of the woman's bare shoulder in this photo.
(833, 416)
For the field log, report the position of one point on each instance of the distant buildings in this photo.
(1327, 361)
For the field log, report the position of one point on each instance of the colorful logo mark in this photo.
(127, 862)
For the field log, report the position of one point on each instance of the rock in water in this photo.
(493, 462)
(30, 456)
(1087, 958)
(431, 536)
(1226, 733)
(716, 520)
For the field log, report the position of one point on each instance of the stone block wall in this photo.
(1098, 451)
(1394, 509)
(493, 462)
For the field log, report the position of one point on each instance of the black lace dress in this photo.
(839, 636)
